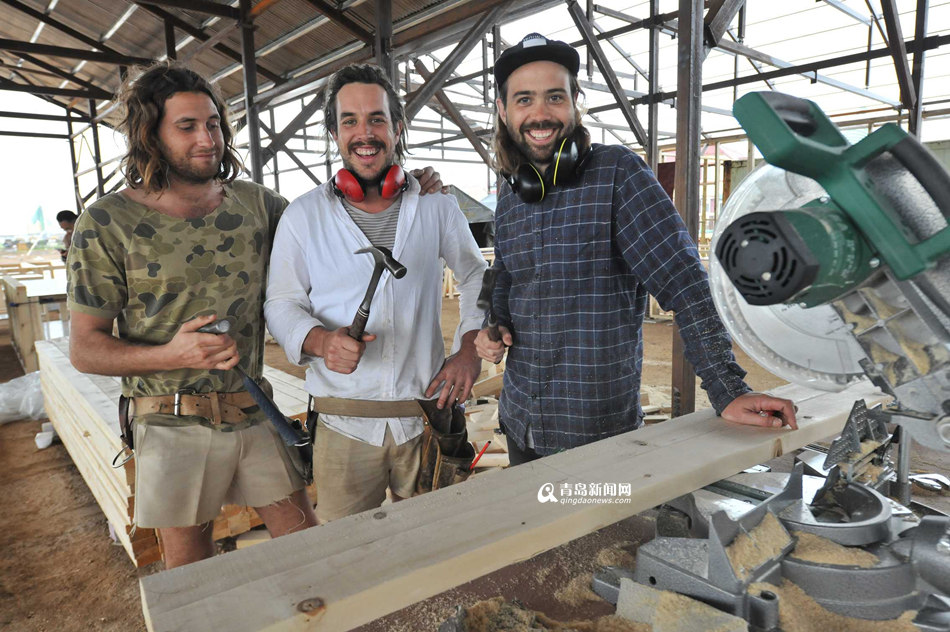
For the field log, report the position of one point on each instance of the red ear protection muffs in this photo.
(566, 165)
(345, 184)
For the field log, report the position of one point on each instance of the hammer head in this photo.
(384, 256)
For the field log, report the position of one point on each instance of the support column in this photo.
(72, 161)
(686, 184)
(97, 154)
(917, 74)
(653, 108)
(275, 169)
(170, 49)
(383, 39)
(251, 110)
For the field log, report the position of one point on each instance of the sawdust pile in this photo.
(814, 548)
(673, 608)
(577, 591)
(498, 615)
(750, 550)
(800, 613)
(870, 474)
(618, 554)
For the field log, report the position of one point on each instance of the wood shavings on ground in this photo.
(498, 615)
(814, 548)
(577, 591)
(800, 613)
(750, 550)
(620, 554)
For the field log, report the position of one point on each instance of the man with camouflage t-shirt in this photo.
(184, 244)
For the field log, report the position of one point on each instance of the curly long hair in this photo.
(142, 98)
(506, 156)
(363, 73)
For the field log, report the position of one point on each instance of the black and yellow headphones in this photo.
(566, 165)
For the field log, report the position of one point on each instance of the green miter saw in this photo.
(834, 263)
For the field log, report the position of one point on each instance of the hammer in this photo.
(384, 260)
(485, 302)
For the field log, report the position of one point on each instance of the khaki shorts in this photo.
(352, 476)
(184, 474)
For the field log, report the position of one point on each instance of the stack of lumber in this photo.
(84, 412)
(359, 568)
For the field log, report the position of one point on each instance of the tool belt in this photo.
(215, 407)
(446, 453)
(366, 407)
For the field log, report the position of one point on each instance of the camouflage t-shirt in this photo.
(152, 272)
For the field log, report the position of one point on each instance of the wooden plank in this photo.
(365, 566)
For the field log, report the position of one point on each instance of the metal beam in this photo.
(454, 115)
(929, 43)
(278, 141)
(895, 41)
(420, 97)
(344, 21)
(383, 39)
(871, 22)
(97, 153)
(690, 53)
(294, 157)
(201, 6)
(251, 112)
(59, 72)
(71, 53)
(171, 46)
(199, 34)
(59, 26)
(587, 33)
(37, 117)
(717, 20)
(33, 135)
(72, 162)
(920, 32)
(6, 84)
(653, 108)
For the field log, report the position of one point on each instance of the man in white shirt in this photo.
(368, 436)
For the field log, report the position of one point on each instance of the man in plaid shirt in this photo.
(583, 234)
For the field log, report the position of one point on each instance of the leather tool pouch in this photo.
(446, 453)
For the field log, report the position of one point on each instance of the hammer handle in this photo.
(493, 334)
(359, 324)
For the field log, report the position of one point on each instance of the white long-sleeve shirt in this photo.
(316, 280)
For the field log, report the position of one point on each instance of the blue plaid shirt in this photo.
(577, 268)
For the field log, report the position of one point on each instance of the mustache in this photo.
(369, 143)
(555, 125)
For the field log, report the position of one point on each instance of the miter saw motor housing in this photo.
(876, 249)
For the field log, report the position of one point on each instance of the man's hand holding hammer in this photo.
(339, 351)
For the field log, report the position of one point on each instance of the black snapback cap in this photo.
(535, 47)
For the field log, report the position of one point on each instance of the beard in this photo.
(372, 179)
(180, 168)
(541, 154)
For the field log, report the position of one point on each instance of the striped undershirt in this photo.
(379, 228)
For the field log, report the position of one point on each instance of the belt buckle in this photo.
(178, 394)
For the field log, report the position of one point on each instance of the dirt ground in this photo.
(59, 571)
